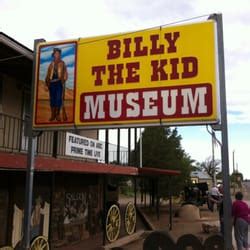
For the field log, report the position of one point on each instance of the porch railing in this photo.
(13, 138)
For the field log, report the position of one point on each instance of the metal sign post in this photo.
(30, 160)
(224, 134)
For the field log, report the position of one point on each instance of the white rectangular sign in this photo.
(79, 146)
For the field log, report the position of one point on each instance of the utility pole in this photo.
(234, 175)
(233, 163)
(30, 161)
(214, 141)
(227, 209)
(213, 163)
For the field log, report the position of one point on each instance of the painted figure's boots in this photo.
(58, 118)
(53, 114)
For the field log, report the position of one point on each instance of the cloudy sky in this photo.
(26, 20)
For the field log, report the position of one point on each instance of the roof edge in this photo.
(15, 45)
(157, 171)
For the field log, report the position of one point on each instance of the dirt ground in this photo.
(179, 226)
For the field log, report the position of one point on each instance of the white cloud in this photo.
(146, 13)
(69, 59)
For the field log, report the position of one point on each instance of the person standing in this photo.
(55, 79)
(214, 197)
(240, 213)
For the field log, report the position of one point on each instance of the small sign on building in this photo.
(83, 147)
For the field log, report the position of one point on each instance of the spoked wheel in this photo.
(39, 243)
(113, 223)
(130, 218)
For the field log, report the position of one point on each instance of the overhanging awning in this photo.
(16, 161)
(145, 171)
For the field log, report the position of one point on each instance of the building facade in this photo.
(71, 197)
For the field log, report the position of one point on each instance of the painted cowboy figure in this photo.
(55, 79)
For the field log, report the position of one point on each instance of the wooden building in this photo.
(71, 197)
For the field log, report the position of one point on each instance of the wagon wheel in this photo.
(6, 248)
(113, 223)
(214, 242)
(159, 240)
(40, 243)
(188, 241)
(130, 218)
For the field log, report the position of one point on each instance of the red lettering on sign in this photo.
(115, 74)
(98, 71)
(137, 47)
(114, 49)
(172, 38)
(127, 52)
(158, 72)
(132, 75)
(156, 48)
(190, 67)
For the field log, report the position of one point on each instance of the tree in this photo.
(219, 175)
(236, 178)
(161, 148)
(211, 167)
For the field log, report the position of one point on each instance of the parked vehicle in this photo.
(196, 194)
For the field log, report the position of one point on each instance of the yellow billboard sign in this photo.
(158, 76)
